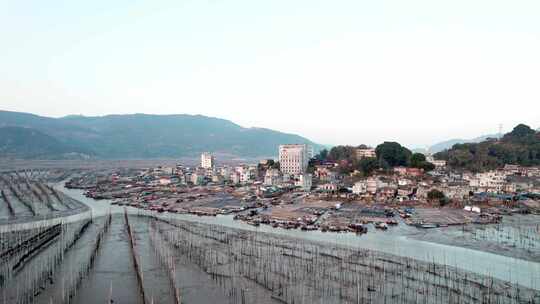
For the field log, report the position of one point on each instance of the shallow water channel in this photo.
(394, 241)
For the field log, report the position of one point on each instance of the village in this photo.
(285, 195)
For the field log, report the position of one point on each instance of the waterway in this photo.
(393, 241)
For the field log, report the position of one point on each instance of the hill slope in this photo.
(154, 136)
(29, 143)
(521, 147)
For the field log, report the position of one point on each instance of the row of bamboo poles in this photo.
(299, 271)
(521, 237)
(33, 262)
(135, 258)
(75, 276)
(36, 197)
(167, 258)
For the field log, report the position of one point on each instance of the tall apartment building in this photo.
(293, 159)
(207, 160)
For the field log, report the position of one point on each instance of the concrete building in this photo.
(360, 187)
(226, 173)
(329, 187)
(207, 160)
(365, 153)
(437, 163)
(235, 178)
(197, 179)
(305, 182)
(491, 181)
(272, 177)
(310, 152)
(372, 185)
(293, 159)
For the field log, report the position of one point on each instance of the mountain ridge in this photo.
(152, 135)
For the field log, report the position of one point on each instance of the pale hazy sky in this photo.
(337, 72)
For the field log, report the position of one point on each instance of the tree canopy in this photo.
(521, 146)
(392, 154)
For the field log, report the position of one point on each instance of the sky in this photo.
(337, 71)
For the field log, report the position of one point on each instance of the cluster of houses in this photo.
(403, 184)
(414, 184)
(268, 179)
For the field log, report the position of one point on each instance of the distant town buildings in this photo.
(365, 153)
(437, 163)
(207, 160)
(293, 159)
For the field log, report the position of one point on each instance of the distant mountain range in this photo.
(438, 147)
(24, 135)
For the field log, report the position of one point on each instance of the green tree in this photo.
(521, 147)
(521, 130)
(393, 154)
(427, 166)
(435, 194)
(368, 165)
(417, 160)
(322, 155)
(338, 153)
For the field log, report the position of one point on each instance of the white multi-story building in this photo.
(360, 187)
(207, 160)
(293, 159)
(365, 153)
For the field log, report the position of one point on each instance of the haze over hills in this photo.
(134, 136)
(447, 144)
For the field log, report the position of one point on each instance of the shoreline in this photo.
(502, 267)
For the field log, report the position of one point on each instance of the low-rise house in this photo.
(324, 174)
(400, 170)
(164, 181)
(225, 173)
(405, 191)
(235, 178)
(328, 187)
(387, 193)
(217, 178)
(415, 172)
(372, 185)
(360, 187)
(272, 177)
(492, 181)
(455, 190)
(304, 181)
(404, 182)
(511, 169)
(520, 183)
(439, 164)
(197, 179)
